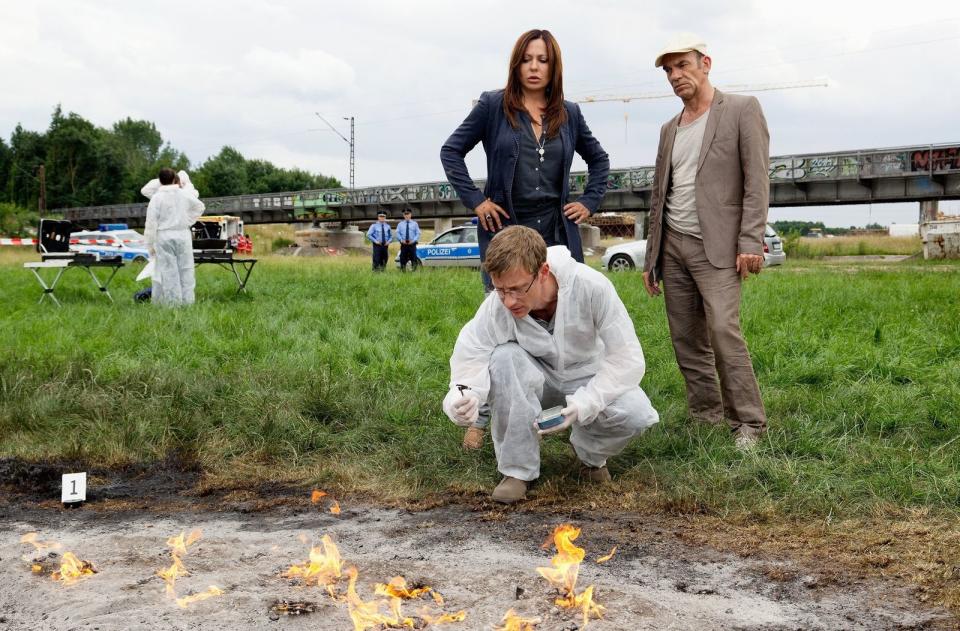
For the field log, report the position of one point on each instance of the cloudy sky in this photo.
(254, 74)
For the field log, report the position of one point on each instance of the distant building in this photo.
(904, 230)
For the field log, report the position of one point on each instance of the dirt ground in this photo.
(481, 558)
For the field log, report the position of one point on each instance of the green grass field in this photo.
(327, 374)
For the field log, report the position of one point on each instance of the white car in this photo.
(129, 244)
(628, 256)
(624, 257)
(773, 253)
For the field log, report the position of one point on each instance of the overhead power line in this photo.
(762, 87)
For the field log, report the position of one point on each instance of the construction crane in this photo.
(762, 87)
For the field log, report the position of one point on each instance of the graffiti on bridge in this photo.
(623, 180)
(390, 194)
(824, 167)
(936, 159)
(883, 164)
(786, 169)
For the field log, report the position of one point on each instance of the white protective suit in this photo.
(592, 359)
(171, 213)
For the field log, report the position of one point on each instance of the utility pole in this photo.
(352, 145)
(350, 142)
(42, 201)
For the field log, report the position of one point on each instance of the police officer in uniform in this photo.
(380, 236)
(408, 233)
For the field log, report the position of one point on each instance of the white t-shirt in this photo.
(681, 206)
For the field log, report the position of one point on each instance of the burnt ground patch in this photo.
(482, 562)
(665, 564)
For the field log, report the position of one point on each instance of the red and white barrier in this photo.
(19, 241)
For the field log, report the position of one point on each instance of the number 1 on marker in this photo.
(73, 488)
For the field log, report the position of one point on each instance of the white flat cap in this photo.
(682, 43)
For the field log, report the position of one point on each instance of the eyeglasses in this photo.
(515, 293)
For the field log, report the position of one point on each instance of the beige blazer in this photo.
(732, 182)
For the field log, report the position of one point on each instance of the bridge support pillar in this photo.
(442, 223)
(327, 237)
(928, 210)
(641, 226)
(589, 236)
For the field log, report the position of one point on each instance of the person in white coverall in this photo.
(553, 332)
(172, 211)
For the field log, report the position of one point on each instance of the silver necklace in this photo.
(543, 139)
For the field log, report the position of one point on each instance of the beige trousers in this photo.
(703, 311)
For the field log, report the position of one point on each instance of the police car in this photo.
(127, 243)
(456, 247)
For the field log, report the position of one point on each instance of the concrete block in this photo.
(941, 239)
(589, 236)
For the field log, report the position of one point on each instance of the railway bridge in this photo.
(923, 173)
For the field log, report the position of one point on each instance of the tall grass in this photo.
(326, 373)
(812, 248)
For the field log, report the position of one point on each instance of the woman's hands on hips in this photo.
(488, 214)
(576, 212)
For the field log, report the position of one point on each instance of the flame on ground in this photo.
(324, 567)
(366, 615)
(427, 617)
(212, 591)
(563, 571)
(607, 557)
(397, 588)
(73, 569)
(171, 574)
(584, 602)
(178, 546)
(565, 565)
(31, 538)
(335, 509)
(317, 495)
(512, 622)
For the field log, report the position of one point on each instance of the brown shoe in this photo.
(473, 438)
(595, 475)
(510, 490)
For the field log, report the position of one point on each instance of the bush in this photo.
(281, 243)
(16, 221)
(791, 241)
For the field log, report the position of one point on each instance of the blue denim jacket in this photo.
(488, 124)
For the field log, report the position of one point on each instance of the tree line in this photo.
(87, 165)
(805, 228)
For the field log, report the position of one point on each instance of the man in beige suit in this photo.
(708, 213)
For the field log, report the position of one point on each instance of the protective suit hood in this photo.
(562, 264)
(185, 180)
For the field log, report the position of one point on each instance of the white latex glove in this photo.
(463, 409)
(570, 415)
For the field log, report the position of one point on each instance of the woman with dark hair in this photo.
(529, 134)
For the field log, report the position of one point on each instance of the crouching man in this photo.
(553, 332)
